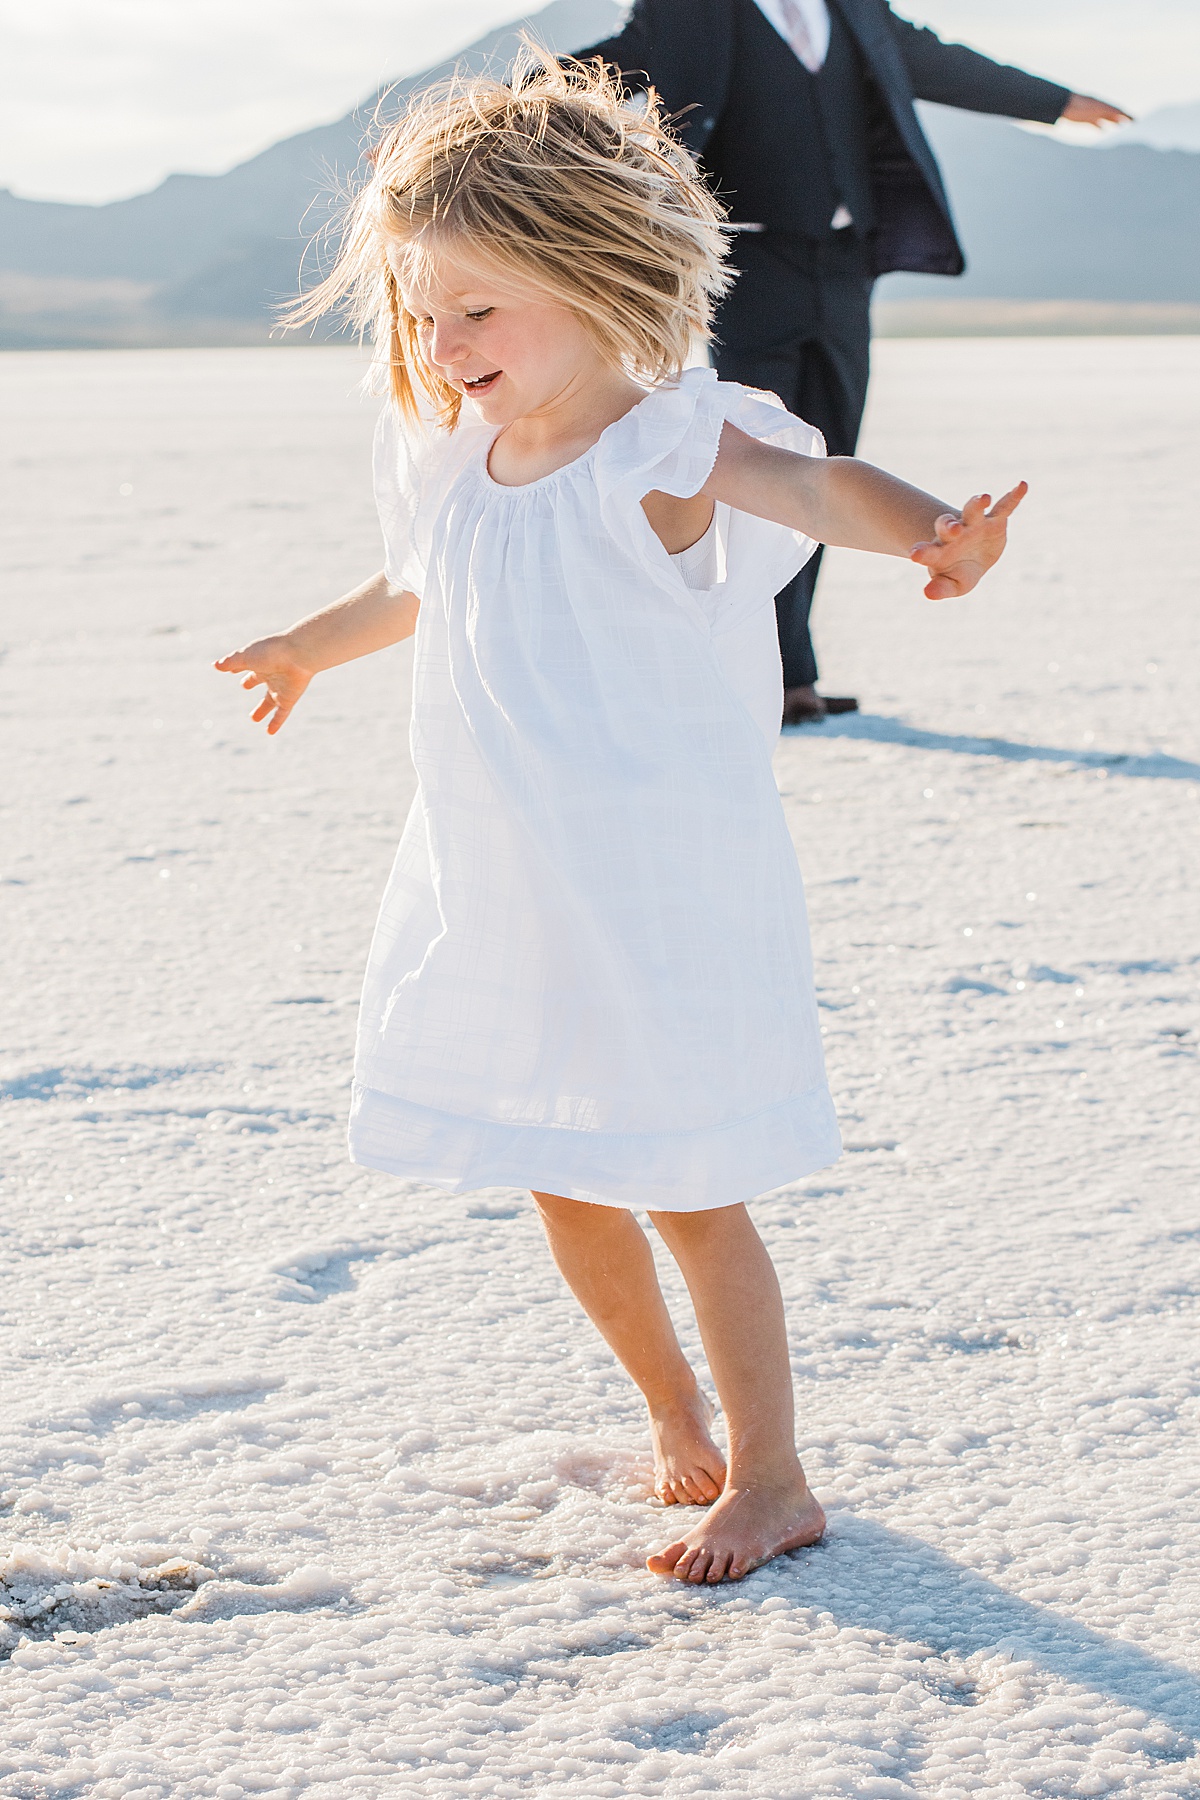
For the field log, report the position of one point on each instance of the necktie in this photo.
(798, 35)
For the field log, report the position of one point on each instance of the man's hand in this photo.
(1082, 109)
(966, 547)
(269, 663)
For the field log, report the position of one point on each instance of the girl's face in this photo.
(508, 351)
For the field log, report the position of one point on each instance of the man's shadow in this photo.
(873, 1578)
(880, 729)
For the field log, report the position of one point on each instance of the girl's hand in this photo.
(966, 547)
(269, 663)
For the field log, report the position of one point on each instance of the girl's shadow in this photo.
(874, 1578)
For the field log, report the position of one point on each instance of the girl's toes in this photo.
(698, 1567)
(685, 1564)
(665, 1562)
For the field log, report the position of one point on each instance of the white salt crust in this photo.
(323, 1484)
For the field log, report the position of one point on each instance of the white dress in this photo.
(591, 973)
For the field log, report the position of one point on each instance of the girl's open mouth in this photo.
(481, 384)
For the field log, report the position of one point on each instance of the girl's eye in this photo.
(484, 312)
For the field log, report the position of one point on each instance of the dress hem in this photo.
(688, 1171)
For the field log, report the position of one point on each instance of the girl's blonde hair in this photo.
(553, 178)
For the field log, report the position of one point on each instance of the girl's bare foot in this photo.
(689, 1469)
(746, 1528)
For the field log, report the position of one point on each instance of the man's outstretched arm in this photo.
(953, 75)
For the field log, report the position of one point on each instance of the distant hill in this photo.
(1042, 220)
(202, 258)
(1169, 128)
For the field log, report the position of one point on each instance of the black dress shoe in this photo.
(804, 706)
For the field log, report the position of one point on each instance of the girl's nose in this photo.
(446, 346)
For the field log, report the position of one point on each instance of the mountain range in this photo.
(1169, 128)
(203, 258)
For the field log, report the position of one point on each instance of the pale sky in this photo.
(103, 98)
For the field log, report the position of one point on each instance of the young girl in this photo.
(591, 974)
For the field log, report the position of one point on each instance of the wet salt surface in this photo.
(315, 1484)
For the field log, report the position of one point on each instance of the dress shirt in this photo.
(811, 41)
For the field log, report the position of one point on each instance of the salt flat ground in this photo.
(315, 1483)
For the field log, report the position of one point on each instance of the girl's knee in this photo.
(577, 1215)
(712, 1222)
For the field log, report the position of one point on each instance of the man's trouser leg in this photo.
(798, 324)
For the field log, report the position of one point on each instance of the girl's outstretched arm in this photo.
(370, 618)
(840, 500)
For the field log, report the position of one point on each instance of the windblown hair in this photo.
(552, 179)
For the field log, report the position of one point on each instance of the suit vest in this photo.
(790, 147)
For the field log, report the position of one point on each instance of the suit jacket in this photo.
(686, 50)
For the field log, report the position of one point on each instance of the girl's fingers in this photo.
(1008, 503)
(929, 554)
(933, 554)
(272, 707)
(947, 529)
(969, 543)
(975, 511)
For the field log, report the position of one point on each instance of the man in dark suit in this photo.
(801, 113)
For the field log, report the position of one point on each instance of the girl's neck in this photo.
(560, 430)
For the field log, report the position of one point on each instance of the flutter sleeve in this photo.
(398, 484)
(669, 444)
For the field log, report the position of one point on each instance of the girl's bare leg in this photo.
(608, 1264)
(766, 1507)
